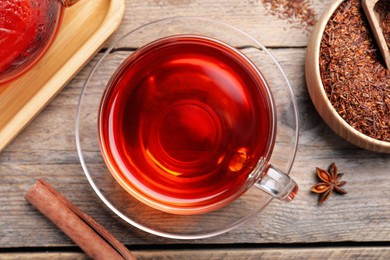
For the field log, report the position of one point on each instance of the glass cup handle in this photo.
(277, 184)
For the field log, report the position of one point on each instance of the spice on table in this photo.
(89, 235)
(330, 182)
(353, 73)
(298, 12)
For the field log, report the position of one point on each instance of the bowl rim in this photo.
(313, 79)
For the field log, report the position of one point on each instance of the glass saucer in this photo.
(130, 209)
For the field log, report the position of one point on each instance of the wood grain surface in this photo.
(46, 149)
(230, 254)
(369, 7)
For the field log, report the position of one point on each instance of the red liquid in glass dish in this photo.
(27, 27)
(184, 121)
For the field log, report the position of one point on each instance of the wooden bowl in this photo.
(319, 97)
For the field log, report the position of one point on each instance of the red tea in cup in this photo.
(183, 123)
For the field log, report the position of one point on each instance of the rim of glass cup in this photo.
(136, 224)
(256, 172)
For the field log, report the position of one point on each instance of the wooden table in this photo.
(354, 226)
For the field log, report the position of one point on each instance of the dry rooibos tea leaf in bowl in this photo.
(353, 73)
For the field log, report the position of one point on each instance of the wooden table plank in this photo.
(47, 149)
(345, 253)
(250, 16)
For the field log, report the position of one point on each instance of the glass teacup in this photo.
(217, 213)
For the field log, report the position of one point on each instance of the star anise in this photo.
(330, 181)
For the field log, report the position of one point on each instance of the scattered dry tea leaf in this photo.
(298, 12)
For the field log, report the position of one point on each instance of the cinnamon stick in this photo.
(89, 235)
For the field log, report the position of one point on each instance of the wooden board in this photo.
(85, 27)
(330, 253)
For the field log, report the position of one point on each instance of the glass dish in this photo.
(140, 215)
